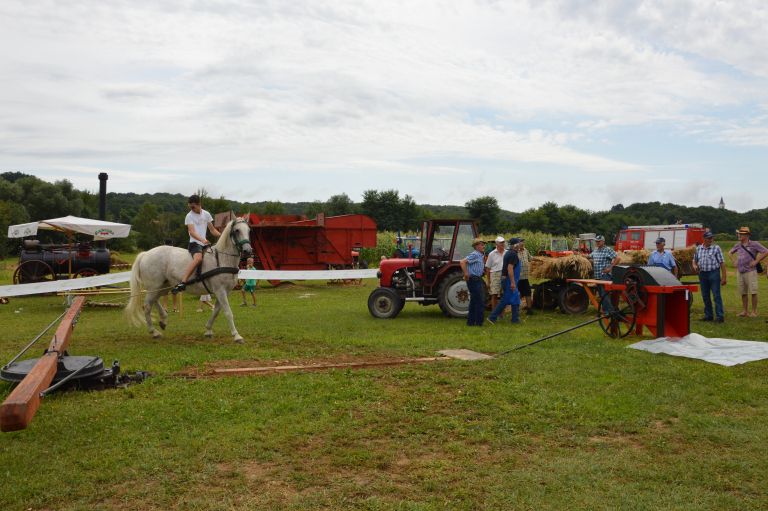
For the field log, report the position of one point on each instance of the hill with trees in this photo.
(157, 217)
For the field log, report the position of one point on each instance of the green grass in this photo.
(576, 422)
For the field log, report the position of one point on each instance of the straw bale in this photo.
(633, 257)
(568, 267)
(684, 255)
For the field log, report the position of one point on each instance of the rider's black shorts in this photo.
(195, 248)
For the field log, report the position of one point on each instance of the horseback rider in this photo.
(198, 222)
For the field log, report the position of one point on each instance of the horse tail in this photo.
(135, 310)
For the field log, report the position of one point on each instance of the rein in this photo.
(202, 277)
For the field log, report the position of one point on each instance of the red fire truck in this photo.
(639, 237)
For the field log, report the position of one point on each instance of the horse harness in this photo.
(202, 277)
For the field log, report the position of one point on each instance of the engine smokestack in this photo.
(103, 203)
(103, 195)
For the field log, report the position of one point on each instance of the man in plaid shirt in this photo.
(710, 265)
(603, 260)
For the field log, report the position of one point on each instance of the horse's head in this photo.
(240, 233)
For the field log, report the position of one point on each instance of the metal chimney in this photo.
(103, 195)
(103, 202)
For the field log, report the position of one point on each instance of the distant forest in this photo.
(158, 217)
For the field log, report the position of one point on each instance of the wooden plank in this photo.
(21, 405)
(315, 367)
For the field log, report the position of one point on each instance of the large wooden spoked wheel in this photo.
(33, 271)
(619, 315)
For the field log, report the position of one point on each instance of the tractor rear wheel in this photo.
(573, 299)
(453, 295)
(545, 295)
(385, 303)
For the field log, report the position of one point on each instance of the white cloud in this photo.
(369, 87)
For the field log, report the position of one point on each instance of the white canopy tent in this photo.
(99, 229)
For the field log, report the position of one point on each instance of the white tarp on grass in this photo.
(726, 352)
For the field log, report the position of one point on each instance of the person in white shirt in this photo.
(198, 222)
(493, 267)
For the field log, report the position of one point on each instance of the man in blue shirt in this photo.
(663, 258)
(510, 276)
(710, 265)
(473, 267)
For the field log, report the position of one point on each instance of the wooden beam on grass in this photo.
(21, 405)
(235, 371)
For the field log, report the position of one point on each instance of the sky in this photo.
(577, 102)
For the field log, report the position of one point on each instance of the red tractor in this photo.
(434, 277)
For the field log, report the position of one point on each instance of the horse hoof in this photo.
(208, 334)
(239, 340)
(162, 325)
(156, 335)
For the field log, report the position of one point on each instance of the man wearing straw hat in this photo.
(473, 268)
(748, 256)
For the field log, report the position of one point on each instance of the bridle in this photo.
(234, 235)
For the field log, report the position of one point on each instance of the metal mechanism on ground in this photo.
(54, 370)
(434, 277)
(641, 297)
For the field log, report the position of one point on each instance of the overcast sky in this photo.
(583, 102)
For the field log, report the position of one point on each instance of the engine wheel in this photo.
(621, 318)
(453, 296)
(573, 299)
(385, 303)
(32, 271)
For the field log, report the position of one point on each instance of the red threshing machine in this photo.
(641, 297)
(294, 242)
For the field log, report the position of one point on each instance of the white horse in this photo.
(159, 269)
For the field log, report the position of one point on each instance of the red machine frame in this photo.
(294, 242)
(663, 310)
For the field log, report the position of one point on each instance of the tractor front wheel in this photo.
(385, 303)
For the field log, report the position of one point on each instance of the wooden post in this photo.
(21, 405)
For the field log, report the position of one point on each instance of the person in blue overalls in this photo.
(510, 276)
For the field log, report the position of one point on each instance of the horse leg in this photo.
(149, 300)
(222, 302)
(212, 318)
(163, 314)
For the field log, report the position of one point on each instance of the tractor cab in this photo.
(558, 247)
(586, 243)
(434, 277)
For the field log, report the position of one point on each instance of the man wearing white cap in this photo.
(493, 267)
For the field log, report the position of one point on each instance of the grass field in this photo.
(577, 422)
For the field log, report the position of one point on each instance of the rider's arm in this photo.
(213, 230)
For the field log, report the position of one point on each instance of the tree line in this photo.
(158, 218)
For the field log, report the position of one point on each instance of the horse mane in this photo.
(224, 239)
